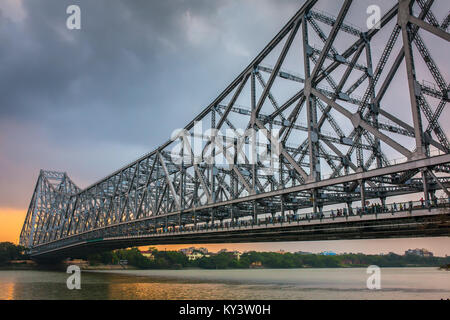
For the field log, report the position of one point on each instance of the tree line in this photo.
(227, 260)
(9, 251)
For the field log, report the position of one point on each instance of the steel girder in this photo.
(337, 136)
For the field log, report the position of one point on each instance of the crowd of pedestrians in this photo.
(374, 208)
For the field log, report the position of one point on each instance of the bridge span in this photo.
(311, 141)
(399, 220)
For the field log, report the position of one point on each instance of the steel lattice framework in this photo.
(337, 136)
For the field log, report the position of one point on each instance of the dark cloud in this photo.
(88, 101)
(132, 60)
(116, 88)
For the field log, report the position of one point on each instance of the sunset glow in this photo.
(11, 221)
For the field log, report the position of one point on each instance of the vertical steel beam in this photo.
(404, 12)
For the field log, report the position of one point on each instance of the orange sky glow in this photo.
(11, 221)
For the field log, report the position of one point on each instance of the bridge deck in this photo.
(400, 224)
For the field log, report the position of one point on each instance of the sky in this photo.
(89, 101)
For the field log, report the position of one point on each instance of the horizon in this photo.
(43, 119)
(141, 249)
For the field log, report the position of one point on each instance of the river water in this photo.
(396, 283)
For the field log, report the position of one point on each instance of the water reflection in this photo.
(397, 283)
(7, 291)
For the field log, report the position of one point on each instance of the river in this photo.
(342, 284)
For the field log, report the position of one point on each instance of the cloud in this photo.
(86, 101)
(135, 71)
(12, 10)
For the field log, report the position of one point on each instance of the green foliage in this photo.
(227, 260)
(224, 260)
(106, 257)
(161, 259)
(9, 251)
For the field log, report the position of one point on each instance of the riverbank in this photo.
(445, 267)
(31, 267)
(19, 267)
(108, 267)
(156, 260)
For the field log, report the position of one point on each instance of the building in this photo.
(27, 262)
(204, 250)
(188, 251)
(79, 262)
(148, 254)
(328, 253)
(256, 264)
(303, 252)
(196, 254)
(419, 252)
(237, 254)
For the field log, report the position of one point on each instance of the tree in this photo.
(9, 251)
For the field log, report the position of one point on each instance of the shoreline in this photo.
(28, 267)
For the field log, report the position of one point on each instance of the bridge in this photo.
(309, 142)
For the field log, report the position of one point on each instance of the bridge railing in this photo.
(376, 211)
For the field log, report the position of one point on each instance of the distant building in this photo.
(328, 253)
(256, 264)
(237, 254)
(303, 252)
(148, 254)
(78, 262)
(196, 255)
(419, 252)
(191, 250)
(29, 262)
(186, 251)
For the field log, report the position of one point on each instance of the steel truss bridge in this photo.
(339, 131)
